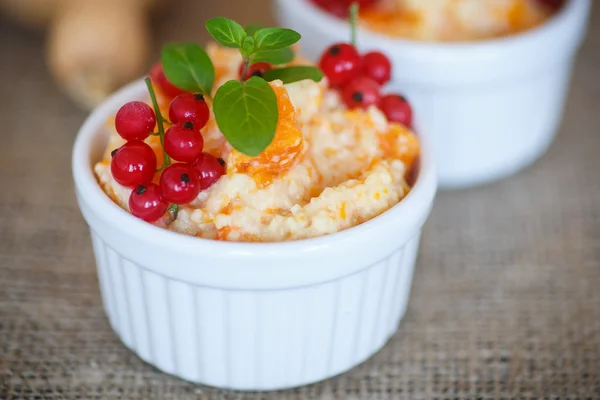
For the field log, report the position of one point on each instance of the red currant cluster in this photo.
(359, 80)
(134, 164)
(339, 8)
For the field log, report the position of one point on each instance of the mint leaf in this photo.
(251, 29)
(188, 67)
(275, 57)
(275, 38)
(247, 114)
(227, 32)
(294, 74)
(248, 46)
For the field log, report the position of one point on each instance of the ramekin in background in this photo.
(250, 316)
(490, 107)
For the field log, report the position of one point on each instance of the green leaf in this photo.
(227, 32)
(251, 29)
(275, 38)
(247, 114)
(188, 67)
(275, 57)
(248, 46)
(294, 74)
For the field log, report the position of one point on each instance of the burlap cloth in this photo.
(505, 300)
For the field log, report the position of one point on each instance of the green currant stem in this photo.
(353, 21)
(245, 70)
(174, 208)
(159, 121)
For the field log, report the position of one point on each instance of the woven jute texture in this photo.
(505, 301)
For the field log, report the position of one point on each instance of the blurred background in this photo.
(505, 300)
(93, 48)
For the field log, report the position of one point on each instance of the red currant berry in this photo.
(135, 120)
(159, 79)
(209, 168)
(146, 203)
(553, 5)
(365, 3)
(179, 184)
(338, 8)
(183, 142)
(340, 63)
(188, 107)
(133, 164)
(256, 69)
(361, 92)
(377, 66)
(397, 109)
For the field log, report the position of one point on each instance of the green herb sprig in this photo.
(246, 109)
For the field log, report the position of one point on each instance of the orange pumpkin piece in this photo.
(283, 152)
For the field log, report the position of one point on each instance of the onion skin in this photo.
(93, 47)
(96, 47)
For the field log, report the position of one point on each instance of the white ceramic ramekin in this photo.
(250, 316)
(491, 108)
